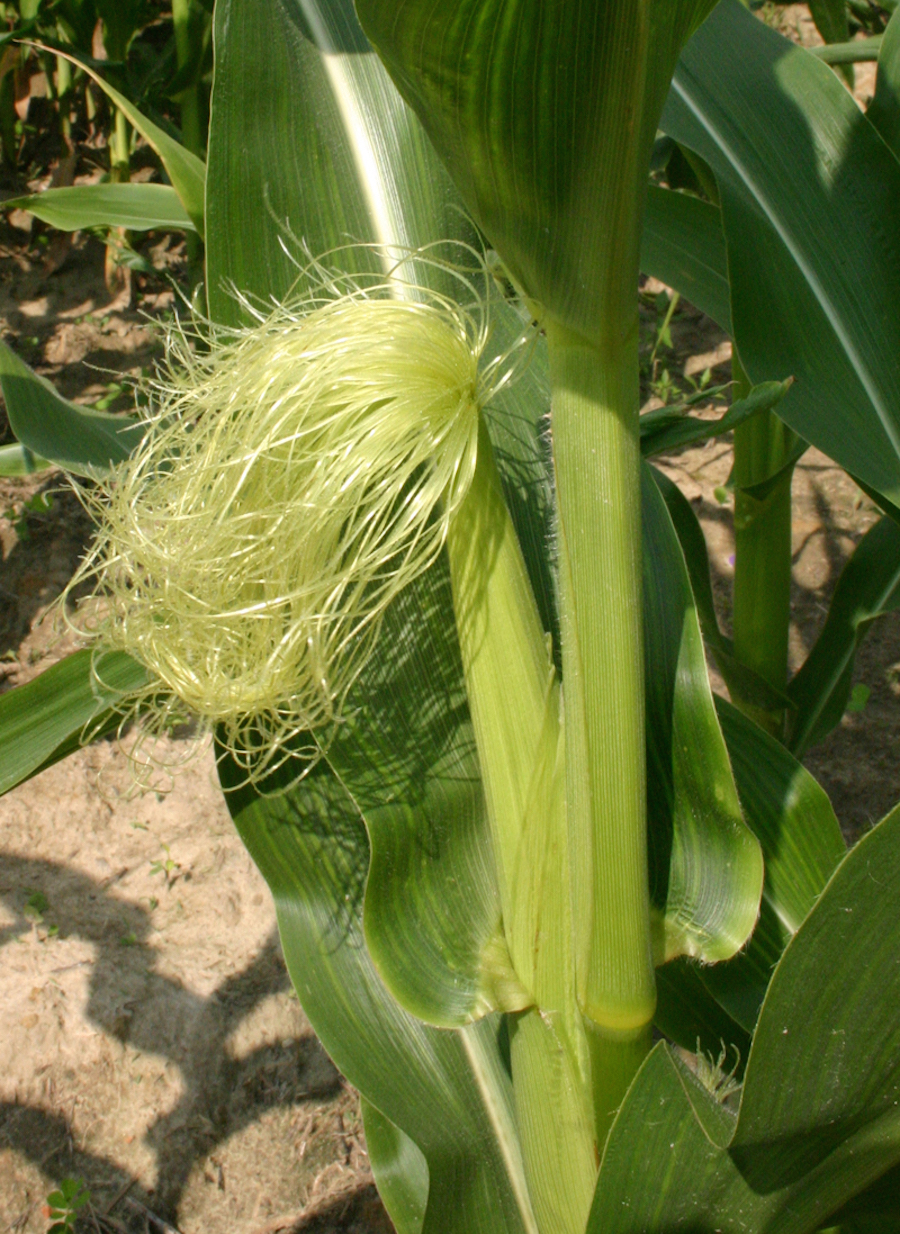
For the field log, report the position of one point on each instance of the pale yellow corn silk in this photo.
(293, 478)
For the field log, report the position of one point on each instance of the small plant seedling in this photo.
(36, 906)
(664, 386)
(113, 390)
(167, 866)
(35, 507)
(64, 1205)
(859, 696)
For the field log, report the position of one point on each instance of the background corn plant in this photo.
(645, 825)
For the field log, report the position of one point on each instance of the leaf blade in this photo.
(140, 207)
(82, 441)
(798, 165)
(41, 722)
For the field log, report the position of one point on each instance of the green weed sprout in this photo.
(294, 477)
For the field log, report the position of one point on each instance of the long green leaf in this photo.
(811, 208)
(401, 1172)
(407, 757)
(830, 17)
(884, 110)
(332, 157)
(748, 684)
(84, 442)
(869, 585)
(665, 429)
(706, 866)
(137, 206)
(683, 245)
(818, 1120)
(801, 840)
(830, 1023)
(43, 721)
(448, 1091)
(551, 207)
(792, 818)
(186, 171)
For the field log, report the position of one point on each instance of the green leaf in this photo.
(401, 1172)
(45, 720)
(869, 585)
(688, 1014)
(792, 818)
(18, 460)
(84, 442)
(448, 1091)
(875, 1210)
(535, 150)
(815, 280)
(139, 207)
(333, 156)
(829, 1023)
(407, 757)
(744, 681)
(683, 245)
(664, 429)
(884, 110)
(830, 17)
(706, 865)
(818, 1120)
(186, 171)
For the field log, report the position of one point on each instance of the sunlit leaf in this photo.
(811, 208)
(45, 720)
(137, 206)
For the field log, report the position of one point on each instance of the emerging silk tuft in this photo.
(292, 480)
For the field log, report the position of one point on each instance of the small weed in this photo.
(859, 696)
(664, 387)
(35, 906)
(167, 866)
(36, 506)
(64, 1205)
(113, 390)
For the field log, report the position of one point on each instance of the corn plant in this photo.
(390, 532)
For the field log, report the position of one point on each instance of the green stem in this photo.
(762, 552)
(64, 94)
(596, 454)
(191, 128)
(191, 125)
(119, 149)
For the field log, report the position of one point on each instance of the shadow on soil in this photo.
(131, 1002)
